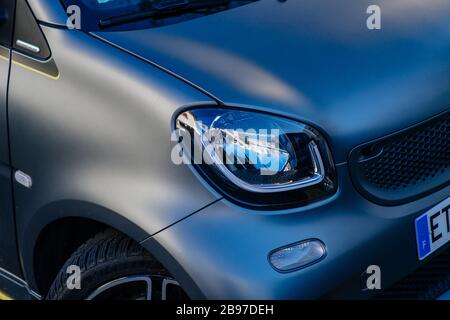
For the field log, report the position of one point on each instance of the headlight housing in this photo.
(256, 159)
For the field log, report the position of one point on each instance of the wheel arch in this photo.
(60, 216)
(58, 229)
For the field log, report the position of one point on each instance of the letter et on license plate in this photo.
(433, 229)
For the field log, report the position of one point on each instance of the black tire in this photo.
(108, 256)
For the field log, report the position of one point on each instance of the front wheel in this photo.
(114, 267)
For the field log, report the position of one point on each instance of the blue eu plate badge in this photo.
(433, 229)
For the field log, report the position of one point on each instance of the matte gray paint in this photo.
(316, 61)
(4, 73)
(225, 248)
(8, 246)
(107, 106)
(102, 139)
(48, 11)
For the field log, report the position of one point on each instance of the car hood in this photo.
(315, 61)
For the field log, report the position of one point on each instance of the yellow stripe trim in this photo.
(4, 58)
(5, 297)
(36, 71)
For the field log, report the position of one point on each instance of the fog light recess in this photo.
(297, 255)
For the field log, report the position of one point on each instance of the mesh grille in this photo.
(426, 283)
(404, 166)
(412, 158)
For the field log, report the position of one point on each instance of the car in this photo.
(115, 117)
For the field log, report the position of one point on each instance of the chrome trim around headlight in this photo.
(316, 178)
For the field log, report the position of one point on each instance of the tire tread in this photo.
(105, 250)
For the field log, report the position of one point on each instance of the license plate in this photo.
(433, 229)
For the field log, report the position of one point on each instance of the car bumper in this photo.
(221, 252)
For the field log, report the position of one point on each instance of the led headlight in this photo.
(258, 159)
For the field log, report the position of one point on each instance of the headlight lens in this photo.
(258, 159)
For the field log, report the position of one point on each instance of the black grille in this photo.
(426, 283)
(405, 165)
(412, 158)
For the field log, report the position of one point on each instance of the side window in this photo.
(6, 22)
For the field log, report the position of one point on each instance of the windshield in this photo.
(93, 11)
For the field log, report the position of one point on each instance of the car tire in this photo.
(112, 258)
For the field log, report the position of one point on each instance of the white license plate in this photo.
(433, 229)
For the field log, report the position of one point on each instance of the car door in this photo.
(9, 262)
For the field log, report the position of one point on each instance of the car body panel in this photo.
(9, 258)
(4, 75)
(106, 151)
(314, 60)
(8, 250)
(225, 248)
(13, 287)
(293, 57)
(92, 127)
(49, 11)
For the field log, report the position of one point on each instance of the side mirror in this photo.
(4, 16)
